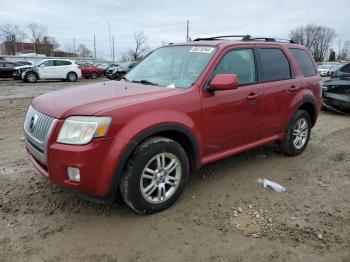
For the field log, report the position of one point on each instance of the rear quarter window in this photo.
(304, 61)
(275, 65)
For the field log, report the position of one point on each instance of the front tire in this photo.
(30, 77)
(298, 134)
(155, 175)
(93, 75)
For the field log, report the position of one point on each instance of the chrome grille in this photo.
(37, 130)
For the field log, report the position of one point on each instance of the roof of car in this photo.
(239, 40)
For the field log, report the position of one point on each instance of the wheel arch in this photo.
(309, 105)
(70, 73)
(175, 132)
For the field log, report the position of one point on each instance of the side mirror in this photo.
(224, 82)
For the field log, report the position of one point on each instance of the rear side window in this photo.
(275, 65)
(239, 62)
(62, 63)
(304, 61)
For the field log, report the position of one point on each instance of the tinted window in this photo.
(47, 63)
(275, 65)
(62, 63)
(304, 61)
(11, 65)
(345, 69)
(239, 62)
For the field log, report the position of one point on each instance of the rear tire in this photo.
(72, 77)
(298, 134)
(155, 175)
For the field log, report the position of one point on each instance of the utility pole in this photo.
(95, 47)
(110, 39)
(188, 29)
(113, 48)
(75, 50)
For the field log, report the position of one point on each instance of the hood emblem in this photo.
(33, 122)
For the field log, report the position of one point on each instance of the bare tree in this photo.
(37, 32)
(83, 51)
(140, 46)
(48, 45)
(314, 37)
(12, 34)
(125, 57)
(342, 50)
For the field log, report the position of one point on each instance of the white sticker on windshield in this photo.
(171, 85)
(201, 49)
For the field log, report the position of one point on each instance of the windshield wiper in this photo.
(145, 82)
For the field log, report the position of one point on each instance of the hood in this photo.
(91, 99)
(23, 67)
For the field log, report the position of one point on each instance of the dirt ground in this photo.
(223, 215)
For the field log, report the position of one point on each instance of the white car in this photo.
(63, 69)
(324, 70)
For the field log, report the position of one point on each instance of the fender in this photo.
(131, 146)
(306, 96)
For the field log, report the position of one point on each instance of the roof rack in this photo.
(245, 38)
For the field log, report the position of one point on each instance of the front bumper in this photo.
(97, 162)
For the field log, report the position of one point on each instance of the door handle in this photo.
(252, 96)
(293, 88)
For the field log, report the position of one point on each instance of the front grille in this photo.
(37, 130)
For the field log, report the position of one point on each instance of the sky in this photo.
(164, 20)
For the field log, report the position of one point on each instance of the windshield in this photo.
(172, 66)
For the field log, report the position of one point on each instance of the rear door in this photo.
(280, 87)
(61, 68)
(8, 69)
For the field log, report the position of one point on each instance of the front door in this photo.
(231, 117)
(47, 69)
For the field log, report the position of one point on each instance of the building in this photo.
(6, 48)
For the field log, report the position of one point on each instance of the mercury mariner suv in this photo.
(184, 106)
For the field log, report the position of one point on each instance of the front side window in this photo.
(304, 60)
(275, 65)
(47, 63)
(239, 62)
(172, 66)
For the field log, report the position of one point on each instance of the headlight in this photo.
(80, 130)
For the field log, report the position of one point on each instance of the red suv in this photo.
(184, 106)
(90, 71)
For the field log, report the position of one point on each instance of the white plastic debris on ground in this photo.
(277, 187)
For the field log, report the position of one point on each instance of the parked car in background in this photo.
(103, 67)
(110, 69)
(342, 72)
(122, 70)
(334, 68)
(182, 107)
(324, 70)
(63, 69)
(90, 71)
(7, 69)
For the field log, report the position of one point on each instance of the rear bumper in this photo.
(97, 162)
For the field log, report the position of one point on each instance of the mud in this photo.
(223, 215)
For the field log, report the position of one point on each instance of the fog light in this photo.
(73, 174)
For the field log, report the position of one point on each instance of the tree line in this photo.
(317, 39)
